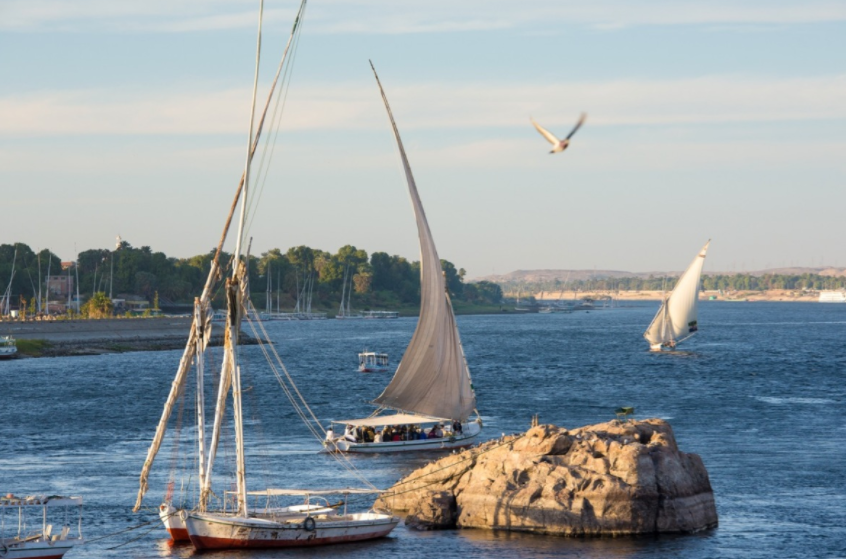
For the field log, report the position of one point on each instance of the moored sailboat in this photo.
(432, 385)
(677, 319)
(234, 524)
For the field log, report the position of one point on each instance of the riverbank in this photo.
(748, 296)
(57, 338)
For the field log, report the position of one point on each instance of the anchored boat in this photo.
(33, 536)
(230, 522)
(676, 320)
(432, 385)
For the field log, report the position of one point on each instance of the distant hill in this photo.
(536, 276)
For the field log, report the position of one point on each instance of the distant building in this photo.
(832, 296)
(60, 286)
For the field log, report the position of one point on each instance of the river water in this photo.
(759, 393)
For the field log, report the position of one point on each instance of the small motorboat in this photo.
(372, 362)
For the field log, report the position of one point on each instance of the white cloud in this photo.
(468, 107)
(391, 17)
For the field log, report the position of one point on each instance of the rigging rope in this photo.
(299, 404)
(275, 125)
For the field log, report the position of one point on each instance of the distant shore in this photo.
(750, 296)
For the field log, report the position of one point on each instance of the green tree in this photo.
(99, 306)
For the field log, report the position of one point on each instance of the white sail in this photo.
(677, 319)
(432, 378)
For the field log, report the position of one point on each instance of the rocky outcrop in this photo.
(612, 479)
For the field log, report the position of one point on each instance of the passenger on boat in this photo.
(377, 438)
(349, 434)
(456, 427)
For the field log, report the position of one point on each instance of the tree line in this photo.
(277, 279)
(723, 282)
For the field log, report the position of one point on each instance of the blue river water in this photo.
(759, 393)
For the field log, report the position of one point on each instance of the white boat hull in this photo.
(171, 517)
(463, 440)
(173, 523)
(214, 531)
(17, 549)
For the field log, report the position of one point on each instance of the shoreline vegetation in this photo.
(773, 295)
(302, 279)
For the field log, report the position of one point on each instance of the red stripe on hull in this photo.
(204, 543)
(179, 535)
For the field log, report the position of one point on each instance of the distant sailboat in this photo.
(676, 320)
(432, 384)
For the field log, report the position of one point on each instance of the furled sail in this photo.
(432, 378)
(677, 317)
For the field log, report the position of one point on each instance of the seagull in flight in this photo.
(559, 145)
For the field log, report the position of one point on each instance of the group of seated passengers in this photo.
(398, 433)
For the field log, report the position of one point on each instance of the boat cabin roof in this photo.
(395, 419)
(10, 501)
(372, 353)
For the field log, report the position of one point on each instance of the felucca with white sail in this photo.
(431, 392)
(677, 320)
(232, 524)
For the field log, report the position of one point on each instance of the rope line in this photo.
(299, 403)
(131, 528)
(275, 123)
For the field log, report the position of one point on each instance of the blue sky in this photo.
(720, 120)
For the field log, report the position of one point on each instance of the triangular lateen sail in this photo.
(432, 378)
(677, 318)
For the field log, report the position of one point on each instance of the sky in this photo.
(717, 120)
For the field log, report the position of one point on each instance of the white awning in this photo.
(395, 419)
(39, 501)
(344, 491)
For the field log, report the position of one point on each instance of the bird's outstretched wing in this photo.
(578, 125)
(546, 133)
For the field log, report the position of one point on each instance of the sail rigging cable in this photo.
(279, 107)
(289, 387)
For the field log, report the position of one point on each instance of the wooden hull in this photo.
(213, 531)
